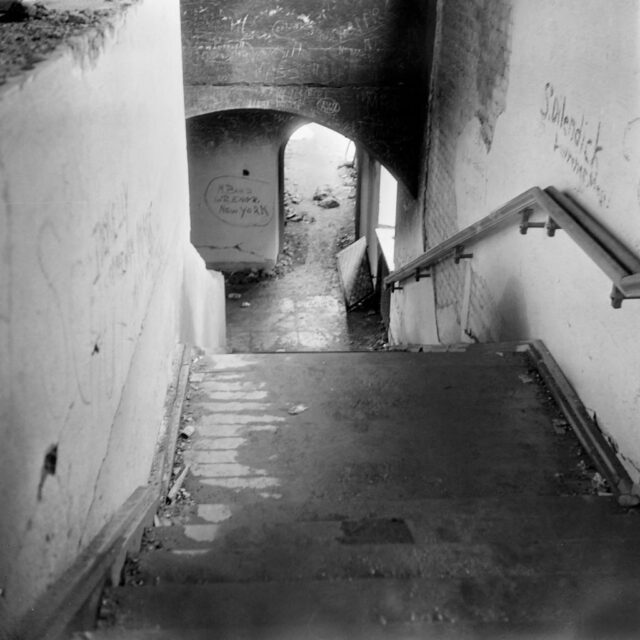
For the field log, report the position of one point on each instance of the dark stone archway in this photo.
(361, 68)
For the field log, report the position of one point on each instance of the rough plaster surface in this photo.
(234, 178)
(562, 95)
(94, 252)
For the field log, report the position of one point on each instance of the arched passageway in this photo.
(298, 304)
(256, 217)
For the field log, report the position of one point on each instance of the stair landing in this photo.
(381, 495)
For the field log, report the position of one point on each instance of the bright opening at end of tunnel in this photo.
(313, 154)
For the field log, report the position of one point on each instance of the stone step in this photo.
(439, 537)
(299, 559)
(470, 519)
(353, 606)
(415, 495)
(431, 630)
(376, 425)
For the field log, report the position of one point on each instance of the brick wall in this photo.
(471, 81)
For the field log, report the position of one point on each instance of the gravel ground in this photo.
(29, 32)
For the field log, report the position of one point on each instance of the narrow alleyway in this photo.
(299, 305)
(351, 496)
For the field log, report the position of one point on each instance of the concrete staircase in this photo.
(380, 495)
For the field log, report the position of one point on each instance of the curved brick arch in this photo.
(359, 119)
(360, 67)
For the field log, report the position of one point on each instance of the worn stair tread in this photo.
(471, 518)
(446, 537)
(464, 447)
(516, 599)
(431, 630)
(333, 562)
(498, 353)
(462, 424)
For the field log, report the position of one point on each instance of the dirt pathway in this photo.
(300, 306)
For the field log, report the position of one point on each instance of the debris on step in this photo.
(293, 198)
(245, 305)
(329, 203)
(599, 484)
(325, 198)
(234, 296)
(294, 410)
(628, 500)
(560, 425)
(323, 192)
(187, 431)
(173, 492)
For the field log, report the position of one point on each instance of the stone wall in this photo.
(358, 67)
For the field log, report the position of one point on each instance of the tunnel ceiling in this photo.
(359, 67)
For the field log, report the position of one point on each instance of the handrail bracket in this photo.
(461, 255)
(618, 262)
(552, 226)
(525, 225)
(617, 297)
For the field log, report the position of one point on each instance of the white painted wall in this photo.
(235, 216)
(94, 248)
(412, 318)
(579, 60)
(367, 202)
(388, 199)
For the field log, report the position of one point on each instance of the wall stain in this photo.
(492, 73)
(631, 149)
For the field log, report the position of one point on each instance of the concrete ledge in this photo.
(57, 607)
(165, 447)
(587, 431)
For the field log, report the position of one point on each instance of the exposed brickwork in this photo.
(472, 65)
(485, 323)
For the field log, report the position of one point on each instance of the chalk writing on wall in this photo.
(239, 201)
(576, 140)
(328, 105)
(631, 149)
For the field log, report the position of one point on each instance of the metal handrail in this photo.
(609, 254)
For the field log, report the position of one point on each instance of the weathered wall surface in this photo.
(94, 248)
(234, 177)
(367, 197)
(538, 94)
(357, 67)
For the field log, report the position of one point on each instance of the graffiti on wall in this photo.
(239, 201)
(577, 140)
(631, 149)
